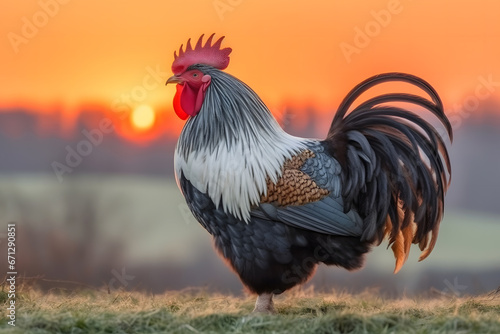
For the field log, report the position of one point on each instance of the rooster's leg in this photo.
(264, 304)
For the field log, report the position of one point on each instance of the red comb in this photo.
(208, 54)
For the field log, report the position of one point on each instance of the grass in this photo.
(299, 311)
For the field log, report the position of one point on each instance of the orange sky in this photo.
(290, 52)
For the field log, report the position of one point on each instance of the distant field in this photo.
(201, 312)
(143, 224)
(154, 219)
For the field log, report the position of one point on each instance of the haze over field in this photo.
(119, 208)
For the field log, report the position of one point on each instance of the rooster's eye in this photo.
(195, 75)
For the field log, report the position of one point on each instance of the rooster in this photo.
(278, 205)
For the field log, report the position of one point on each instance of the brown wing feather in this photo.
(294, 187)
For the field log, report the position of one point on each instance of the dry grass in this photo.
(196, 311)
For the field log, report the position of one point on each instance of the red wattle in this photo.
(177, 103)
(191, 99)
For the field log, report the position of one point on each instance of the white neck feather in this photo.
(235, 175)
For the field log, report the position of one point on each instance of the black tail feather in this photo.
(395, 163)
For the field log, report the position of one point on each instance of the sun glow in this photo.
(143, 117)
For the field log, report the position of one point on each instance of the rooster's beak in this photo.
(174, 79)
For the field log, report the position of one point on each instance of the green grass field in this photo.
(201, 312)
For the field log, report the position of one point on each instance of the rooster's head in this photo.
(191, 82)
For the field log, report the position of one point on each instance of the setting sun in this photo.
(143, 117)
